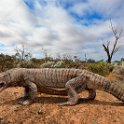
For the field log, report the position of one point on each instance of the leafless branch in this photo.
(117, 34)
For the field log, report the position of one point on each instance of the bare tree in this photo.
(44, 51)
(23, 55)
(117, 35)
(46, 56)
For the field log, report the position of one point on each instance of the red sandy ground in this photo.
(105, 109)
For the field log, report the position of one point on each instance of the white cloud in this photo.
(105, 7)
(51, 27)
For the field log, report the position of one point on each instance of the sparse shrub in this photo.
(101, 68)
(48, 64)
(6, 62)
(59, 64)
(72, 64)
(36, 63)
(26, 64)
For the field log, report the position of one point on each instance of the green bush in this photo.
(59, 64)
(101, 68)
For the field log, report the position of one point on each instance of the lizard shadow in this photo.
(57, 100)
(98, 102)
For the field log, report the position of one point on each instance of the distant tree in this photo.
(91, 60)
(76, 59)
(85, 57)
(23, 55)
(117, 35)
(122, 59)
(100, 60)
(67, 57)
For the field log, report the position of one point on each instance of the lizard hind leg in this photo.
(71, 87)
(30, 92)
(92, 94)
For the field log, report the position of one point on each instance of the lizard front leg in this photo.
(30, 93)
(71, 87)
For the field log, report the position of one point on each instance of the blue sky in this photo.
(60, 27)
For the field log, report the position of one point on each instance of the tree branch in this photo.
(117, 34)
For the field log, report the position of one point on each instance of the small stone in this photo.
(40, 112)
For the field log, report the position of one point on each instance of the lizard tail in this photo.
(114, 89)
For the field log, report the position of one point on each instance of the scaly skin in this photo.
(51, 81)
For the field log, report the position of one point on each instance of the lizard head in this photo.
(3, 81)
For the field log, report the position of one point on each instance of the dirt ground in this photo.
(105, 109)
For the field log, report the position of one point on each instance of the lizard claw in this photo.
(25, 102)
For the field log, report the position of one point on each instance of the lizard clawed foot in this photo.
(24, 101)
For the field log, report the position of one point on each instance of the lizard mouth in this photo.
(2, 85)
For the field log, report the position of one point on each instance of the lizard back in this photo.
(55, 78)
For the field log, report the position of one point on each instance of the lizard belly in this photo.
(50, 84)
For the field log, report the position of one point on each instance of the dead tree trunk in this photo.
(117, 35)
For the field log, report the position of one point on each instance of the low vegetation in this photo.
(100, 67)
